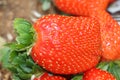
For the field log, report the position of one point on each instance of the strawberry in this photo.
(110, 29)
(81, 7)
(97, 74)
(47, 76)
(66, 45)
(110, 35)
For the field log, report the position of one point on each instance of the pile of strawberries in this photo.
(67, 46)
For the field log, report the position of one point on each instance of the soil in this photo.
(4, 74)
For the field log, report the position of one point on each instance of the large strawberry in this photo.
(81, 7)
(66, 45)
(47, 76)
(97, 74)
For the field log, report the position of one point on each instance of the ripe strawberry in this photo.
(97, 74)
(81, 7)
(47, 76)
(110, 29)
(67, 45)
(110, 35)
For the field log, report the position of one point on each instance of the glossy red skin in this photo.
(81, 7)
(97, 74)
(67, 45)
(47, 76)
(110, 35)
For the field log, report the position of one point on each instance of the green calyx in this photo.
(15, 55)
(26, 34)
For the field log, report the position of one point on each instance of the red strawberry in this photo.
(66, 45)
(110, 29)
(110, 35)
(97, 74)
(81, 7)
(47, 76)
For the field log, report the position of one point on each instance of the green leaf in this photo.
(23, 75)
(78, 77)
(23, 56)
(114, 69)
(37, 69)
(13, 68)
(117, 62)
(30, 62)
(17, 61)
(13, 55)
(4, 52)
(16, 47)
(103, 65)
(25, 68)
(25, 39)
(22, 25)
(15, 77)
